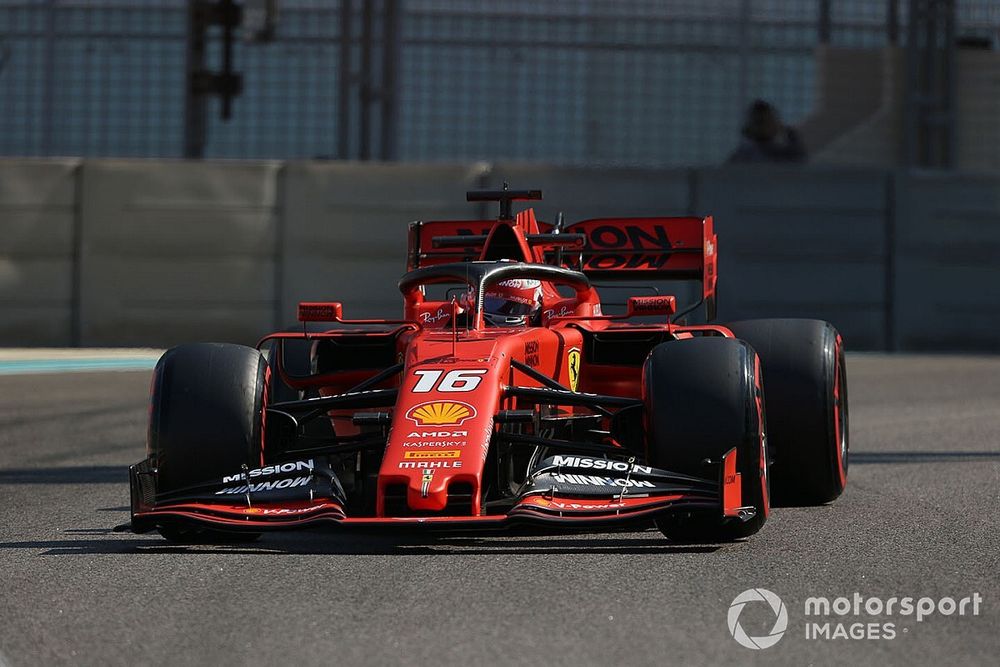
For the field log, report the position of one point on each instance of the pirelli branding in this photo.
(433, 454)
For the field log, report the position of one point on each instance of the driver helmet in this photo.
(515, 302)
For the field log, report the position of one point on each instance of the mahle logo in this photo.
(780, 618)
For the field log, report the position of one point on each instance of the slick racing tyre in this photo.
(703, 397)
(805, 380)
(206, 420)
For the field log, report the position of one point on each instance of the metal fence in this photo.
(632, 82)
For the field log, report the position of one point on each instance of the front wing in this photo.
(562, 491)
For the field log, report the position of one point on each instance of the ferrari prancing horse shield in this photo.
(573, 363)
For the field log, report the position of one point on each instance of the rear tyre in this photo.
(703, 397)
(206, 420)
(805, 379)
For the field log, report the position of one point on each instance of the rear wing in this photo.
(674, 248)
(680, 248)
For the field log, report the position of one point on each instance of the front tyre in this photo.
(206, 420)
(703, 396)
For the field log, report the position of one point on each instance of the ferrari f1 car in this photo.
(579, 418)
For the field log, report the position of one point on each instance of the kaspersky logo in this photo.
(441, 413)
(780, 618)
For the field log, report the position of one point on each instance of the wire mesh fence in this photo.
(634, 82)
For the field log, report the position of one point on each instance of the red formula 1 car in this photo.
(462, 414)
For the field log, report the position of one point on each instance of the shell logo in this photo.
(441, 413)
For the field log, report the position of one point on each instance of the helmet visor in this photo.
(500, 306)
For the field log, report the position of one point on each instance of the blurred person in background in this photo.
(766, 139)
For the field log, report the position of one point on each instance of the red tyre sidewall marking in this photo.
(263, 409)
(758, 395)
(838, 409)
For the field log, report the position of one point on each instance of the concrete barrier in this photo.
(345, 229)
(801, 243)
(37, 248)
(947, 262)
(177, 251)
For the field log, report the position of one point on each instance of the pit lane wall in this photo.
(156, 252)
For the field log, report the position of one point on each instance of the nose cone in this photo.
(436, 444)
(441, 431)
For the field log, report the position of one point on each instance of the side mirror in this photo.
(651, 305)
(332, 311)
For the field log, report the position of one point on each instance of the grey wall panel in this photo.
(345, 228)
(948, 262)
(177, 251)
(37, 218)
(801, 243)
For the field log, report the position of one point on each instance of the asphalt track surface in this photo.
(919, 519)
